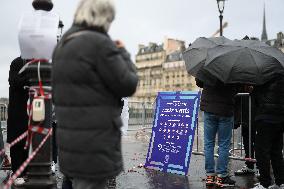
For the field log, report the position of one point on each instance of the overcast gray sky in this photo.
(144, 21)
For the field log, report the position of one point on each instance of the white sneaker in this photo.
(19, 181)
(259, 186)
(53, 167)
(273, 187)
(257, 175)
(244, 171)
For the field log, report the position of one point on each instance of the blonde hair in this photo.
(99, 13)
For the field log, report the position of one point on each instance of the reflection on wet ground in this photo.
(135, 177)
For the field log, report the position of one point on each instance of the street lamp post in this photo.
(46, 5)
(221, 6)
(39, 174)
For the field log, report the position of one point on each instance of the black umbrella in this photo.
(244, 61)
(195, 57)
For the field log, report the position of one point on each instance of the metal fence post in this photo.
(197, 134)
(2, 112)
(241, 127)
(143, 115)
(249, 126)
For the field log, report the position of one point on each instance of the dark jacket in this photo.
(270, 101)
(217, 100)
(90, 76)
(17, 122)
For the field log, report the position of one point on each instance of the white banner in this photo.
(38, 34)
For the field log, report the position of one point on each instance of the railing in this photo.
(3, 115)
(3, 112)
(141, 115)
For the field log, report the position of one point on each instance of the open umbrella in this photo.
(244, 61)
(195, 57)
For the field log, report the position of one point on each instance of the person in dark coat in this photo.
(241, 118)
(90, 75)
(17, 122)
(217, 102)
(270, 128)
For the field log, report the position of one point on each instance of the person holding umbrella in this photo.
(242, 119)
(217, 102)
(270, 128)
(230, 62)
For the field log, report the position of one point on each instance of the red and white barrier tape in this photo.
(31, 129)
(25, 164)
(29, 110)
(21, 137)
(250, 160)
(37, 60)
(38, 129)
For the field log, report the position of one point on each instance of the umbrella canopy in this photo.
(196, 54)
(244, 61)
(195, 57)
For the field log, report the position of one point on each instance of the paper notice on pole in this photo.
(38, 34)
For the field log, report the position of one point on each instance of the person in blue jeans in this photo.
(217, 102)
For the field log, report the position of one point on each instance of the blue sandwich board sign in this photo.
(176, 117)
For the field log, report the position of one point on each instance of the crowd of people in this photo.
(219, 106)
(88, 85)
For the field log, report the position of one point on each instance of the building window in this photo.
(189, 85)
(272, 43)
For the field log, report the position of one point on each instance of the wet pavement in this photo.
(135, 176)
(134, 153)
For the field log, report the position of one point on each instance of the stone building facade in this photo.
(161, 68)
(278, 42)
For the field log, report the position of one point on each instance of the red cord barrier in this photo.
(25, 164)
(21, 137)
(250, 160)
(30, 131)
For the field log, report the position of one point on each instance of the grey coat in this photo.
(90, 76)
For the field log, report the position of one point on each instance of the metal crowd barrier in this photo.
(141, 115)
(3, 115)
(3, 112)
(237, 149)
